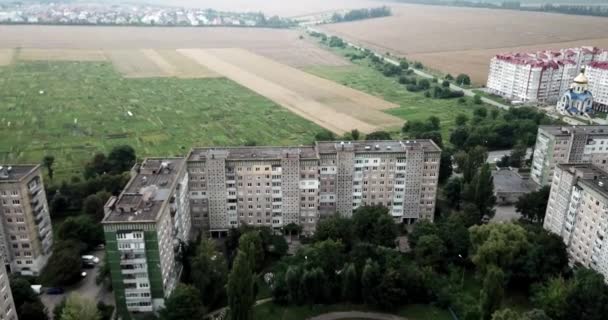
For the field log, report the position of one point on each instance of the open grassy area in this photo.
(74, 109)
(413, 105)
(271, 311)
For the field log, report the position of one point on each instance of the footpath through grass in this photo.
(412, 105)
(271, 311)
(75, 109)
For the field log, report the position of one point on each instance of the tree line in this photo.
(361, 14)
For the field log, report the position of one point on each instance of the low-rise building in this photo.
(577, 211)
(277, 186)
(26, 234)
(510, 185)
(568, 144)
(145, 229)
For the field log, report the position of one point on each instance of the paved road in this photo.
(86, 288)
(467, 92)
(356, 315)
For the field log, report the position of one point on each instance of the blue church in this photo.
(577, 100)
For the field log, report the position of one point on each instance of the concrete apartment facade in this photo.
(577, 211)
(568, 144)
(7, 305)
(26, 234)
(145, 228)
(597, 73)
(277, 186)
(539, 77)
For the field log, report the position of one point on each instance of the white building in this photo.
(578, 212)
(597, 73)
(539, 77)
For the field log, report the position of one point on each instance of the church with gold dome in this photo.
(578, 100)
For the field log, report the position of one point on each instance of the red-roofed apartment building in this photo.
(597, 73)
(539, 77)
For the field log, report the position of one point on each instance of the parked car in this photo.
(36, 288)
(54, 290)
(89, 259)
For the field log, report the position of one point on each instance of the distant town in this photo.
(98, 14)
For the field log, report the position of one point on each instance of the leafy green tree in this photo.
(48, 162)
(93, 206)
(470, 162)
(373, 224)
(312, 286)
(63, 267)
(477, 99)
(533, 206)
(552, 296)
(506, 314)
(481, 191)
(546, 257)
(378, 135)
(492, 292)
(32, 311)
(183, 303)
(385, 231)
(350, 284)
(253, 239)
(121, 159)
(370, 279)
(480, 112)
(497, 245)
(463, 79)
(355, 134)
(391, 292)
(453, 192)
(82, 228)
(455, 235)
(241, 297)
(588, 298)
(336, 228)
(421, 229)
(26, 301)
(79, 308)
(535, 314)
(209, 273)
(461, 119)
(58, 310)
(429, 251)
(325, 135)
(404, 65)
(459, 136)
(518, 155)
(293, 278)
(445, 166)
(96, 166)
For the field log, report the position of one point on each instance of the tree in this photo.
(82, 228)
(32, 311)
(421, 229)
(506, 314)
(445, 166)
(93, 206)
(370, 278)
(183, 303)
(461, 119)
(253, 240)
(312, 286)
(79, 308)
(481, 191)
(293, 280)
(449, 77)
(588, 298)
(385, 231)
(533, 206)
(518, 155)
(547, 257)
(121, 159)
(470, 162)
(477, 99)
(374, 225)
(48, 162)
(336, 228)
(208, 273)
(480, 112)
(26, 301)
(551, 296)
(497, 245)
(240, 288)
(350, 284)
(97, 166)
(459, 137)
(492, 292)
(325, 135)
(355, 134)
(404, 65)
(378, 135)
(463, 79)
(445, 84)
(58, 310)
(429, 251)
(424, 84)
(453, 192)
(63, 267)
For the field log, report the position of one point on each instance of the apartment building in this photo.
(277, 186)
(145, 229)
(597, 73)
(578, 212)
(7, 305)
(539, 77)
(26, 234)
(568, 144)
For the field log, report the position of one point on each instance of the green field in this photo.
(413, 105)
(271, 311)
(72, 110)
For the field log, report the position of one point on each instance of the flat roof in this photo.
(147, 192)
(568, 130)
(589, 176)
(509, 181)
(310, 151)
(16, 172)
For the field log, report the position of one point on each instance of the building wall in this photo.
(27, 234)
(7, 305)
(598, 85)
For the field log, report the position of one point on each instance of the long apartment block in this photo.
(26, 234)
(145, 228)
(277, 186)
(7, 304)
(568, 144)
(577, 211)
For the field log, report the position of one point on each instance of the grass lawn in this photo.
(271, 311)
(73, 110)
(412, 105)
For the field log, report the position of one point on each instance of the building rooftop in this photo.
(589, 176)
(147, 193)
(16, 172)
(599, 65)
(310, 151)
(549, 58)
(509, 181)
(568, 130)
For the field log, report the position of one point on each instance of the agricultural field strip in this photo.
(31, 54)
(6, 56)
(299, 104)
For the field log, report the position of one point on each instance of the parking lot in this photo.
(86, 288)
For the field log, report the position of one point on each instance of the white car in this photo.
(90, 258)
